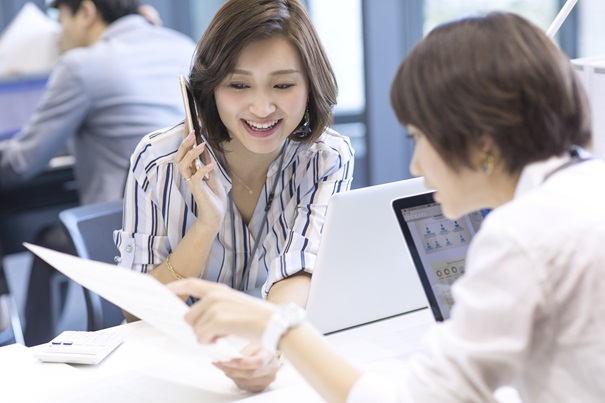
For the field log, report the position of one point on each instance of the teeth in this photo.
(261, 126)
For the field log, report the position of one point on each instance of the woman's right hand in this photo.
(221, 310)
(207, 190)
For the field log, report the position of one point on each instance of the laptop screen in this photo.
(19, 97)
(437, 245)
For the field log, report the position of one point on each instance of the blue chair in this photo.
(16, 332)
(90, 228)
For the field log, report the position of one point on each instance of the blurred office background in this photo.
(365, 39)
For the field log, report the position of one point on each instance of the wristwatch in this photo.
(285, 318)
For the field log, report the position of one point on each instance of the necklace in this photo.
(257, 239)
(242, 182)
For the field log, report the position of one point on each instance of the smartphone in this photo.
(191, 121)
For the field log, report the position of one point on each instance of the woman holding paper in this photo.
(251, 215)
(499, 120)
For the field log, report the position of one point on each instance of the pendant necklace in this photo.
(242, 182)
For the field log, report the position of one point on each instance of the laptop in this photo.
(363, 271)
(19, 97)
(437, 246)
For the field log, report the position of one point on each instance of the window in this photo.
(339, 25)
(540, 12)
(591, 30)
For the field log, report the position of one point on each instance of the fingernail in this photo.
(189, 136)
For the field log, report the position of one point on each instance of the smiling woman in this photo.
(264, 99)
(264, 92)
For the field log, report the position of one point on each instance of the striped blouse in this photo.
(159, 209)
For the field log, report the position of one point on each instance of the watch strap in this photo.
(284, 318)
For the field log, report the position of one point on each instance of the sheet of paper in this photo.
(29, 44)
(137, 293)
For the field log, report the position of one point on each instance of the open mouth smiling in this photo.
(261, 127)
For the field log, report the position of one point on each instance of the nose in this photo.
(262, 105)
(414, 166)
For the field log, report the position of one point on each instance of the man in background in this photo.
(116, 81)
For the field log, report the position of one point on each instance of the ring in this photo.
(188, 179)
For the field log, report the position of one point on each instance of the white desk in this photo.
(151, 367)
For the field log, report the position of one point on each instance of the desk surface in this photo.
(151, 367)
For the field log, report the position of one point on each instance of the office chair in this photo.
(15, 322)
(90, 228)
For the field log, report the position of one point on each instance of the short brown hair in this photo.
(496, 75)
(240, 22)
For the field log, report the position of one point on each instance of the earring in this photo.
(304, 128)
(488, 164)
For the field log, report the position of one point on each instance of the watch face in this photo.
(292, 313)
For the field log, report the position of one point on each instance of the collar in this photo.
(124, 24)
(534, 174)
(290, 150)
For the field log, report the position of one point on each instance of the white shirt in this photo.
(159, 209)
(530, 310)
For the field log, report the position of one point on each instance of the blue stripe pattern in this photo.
(159, 209)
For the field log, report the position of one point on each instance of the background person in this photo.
(265, 91)
(116, 81)
(497, 114)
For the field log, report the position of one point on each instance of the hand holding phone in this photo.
(191, 121)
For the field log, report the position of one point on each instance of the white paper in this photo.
(29, 44)
(140, 294)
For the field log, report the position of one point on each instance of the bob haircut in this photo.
(240, 22)
(497, 76)
(110, 10)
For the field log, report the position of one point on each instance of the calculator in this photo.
(80, 347)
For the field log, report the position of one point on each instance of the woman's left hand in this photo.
(222, 311)
(255, 371)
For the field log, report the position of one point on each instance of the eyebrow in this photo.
(274, 73)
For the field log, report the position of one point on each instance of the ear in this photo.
(486, 144)
(89, 13)
(483, 152)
